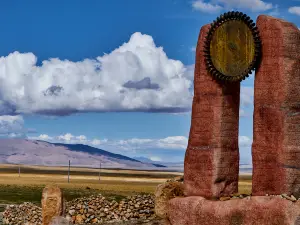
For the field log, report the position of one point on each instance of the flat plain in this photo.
(113, 183)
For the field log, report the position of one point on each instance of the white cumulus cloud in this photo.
(295, 10)
(215, 6)
(155, 158)
(245, 141)
(11, 125)
(246, 95)
(133, 144)
(45, 137)
(206, 6)
(137, 76)
(71, 139)
(173, 142)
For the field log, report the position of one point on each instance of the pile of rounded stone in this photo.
(96, 209)
(88, 210)
(20, 214)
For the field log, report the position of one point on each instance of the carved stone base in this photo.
(254, 210)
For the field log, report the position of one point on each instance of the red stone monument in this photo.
(211, 165)
(212, 157)
(276, 129)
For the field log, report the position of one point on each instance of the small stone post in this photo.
(52, 203)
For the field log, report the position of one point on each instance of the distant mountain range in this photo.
(33, 152)
(170, 165)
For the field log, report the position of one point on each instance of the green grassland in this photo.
(113, 184)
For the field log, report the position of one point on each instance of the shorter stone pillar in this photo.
(52, 203)
(276, 122)
(211, 165)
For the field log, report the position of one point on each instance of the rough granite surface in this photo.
(211, 164)
(257, 210)
(276, 128)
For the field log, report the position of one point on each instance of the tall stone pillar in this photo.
(276, 129)
(211, 164)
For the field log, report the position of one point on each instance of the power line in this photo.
(69, 172)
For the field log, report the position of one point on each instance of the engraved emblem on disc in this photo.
(232, 47)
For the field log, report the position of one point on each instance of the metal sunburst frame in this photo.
(257, 55)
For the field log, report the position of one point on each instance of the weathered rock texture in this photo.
(25, 213)
(211, 164)
(95, 209)
(256, 210)
(98, 209)
(276, 129)
(163, 193)
(52, 203)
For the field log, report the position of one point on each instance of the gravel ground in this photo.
(140, 222)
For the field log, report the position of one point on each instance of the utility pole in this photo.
(99, 171)
(69, 172)
(19, 170)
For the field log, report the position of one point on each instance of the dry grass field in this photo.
(114, 183)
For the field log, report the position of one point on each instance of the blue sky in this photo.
(115, 74)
